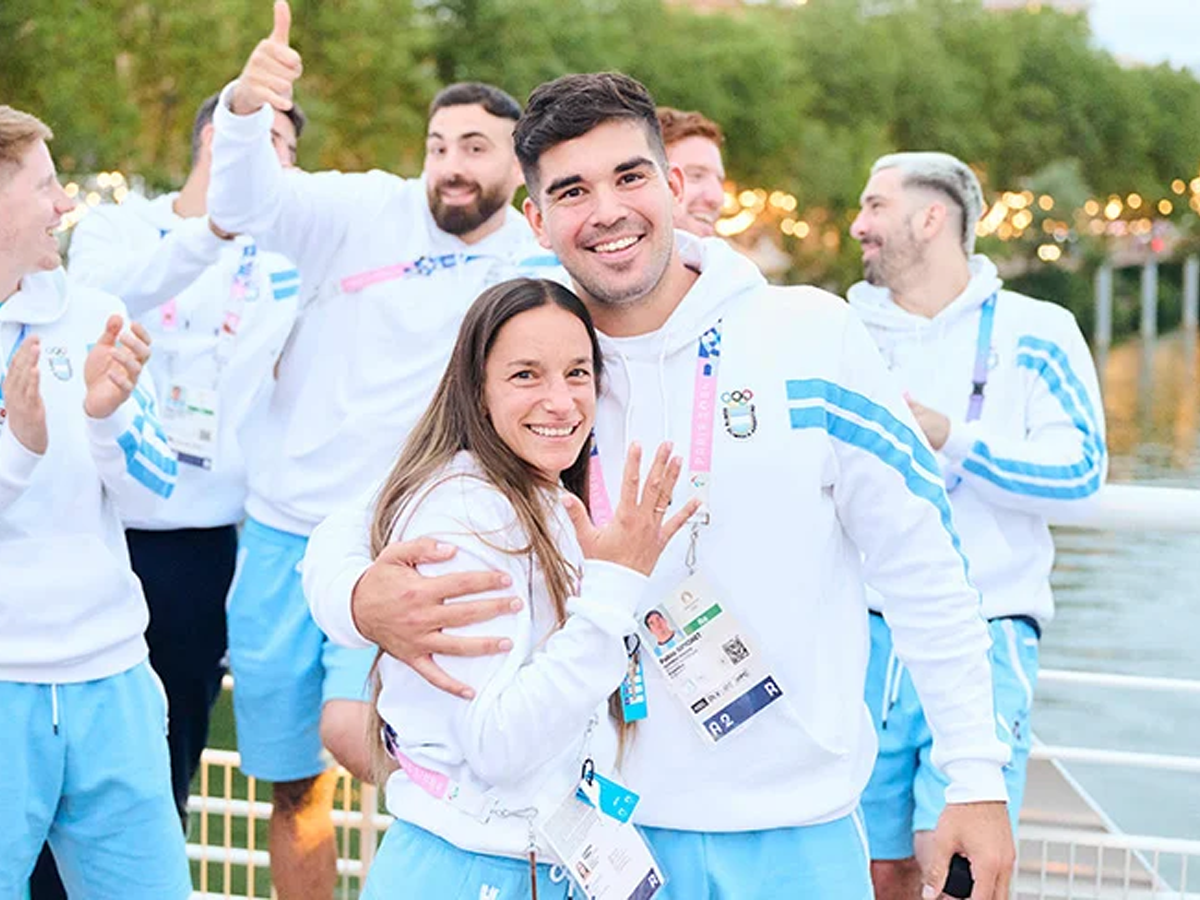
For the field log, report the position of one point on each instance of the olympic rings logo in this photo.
(741, 398)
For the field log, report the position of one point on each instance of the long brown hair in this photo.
(457, 420)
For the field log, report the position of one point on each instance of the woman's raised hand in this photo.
(639, 531)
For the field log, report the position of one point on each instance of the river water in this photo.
(1128, 602)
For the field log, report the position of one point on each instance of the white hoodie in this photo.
(540, 710)
(1038, 445)
(175, 277)
(70, 607)
(832, 488)
(389, 291)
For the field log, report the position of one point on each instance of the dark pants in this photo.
(185, 575)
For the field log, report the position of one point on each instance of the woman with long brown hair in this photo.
(498, 467)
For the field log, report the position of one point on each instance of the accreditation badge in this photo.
(709, 662)
(604, 853)
(190, 418)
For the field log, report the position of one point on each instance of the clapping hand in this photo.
(113, 366)
(23, 398)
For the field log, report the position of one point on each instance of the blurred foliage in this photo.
(808, 96)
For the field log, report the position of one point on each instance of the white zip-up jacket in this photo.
(1038, 445)
(829, 488)
(71, 608)
(539, 710)
(176, 278)
(389, 290)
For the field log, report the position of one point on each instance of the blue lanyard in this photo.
(983, 350)
(979, 375)
(11, 353)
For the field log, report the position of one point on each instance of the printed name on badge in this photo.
(711, 665)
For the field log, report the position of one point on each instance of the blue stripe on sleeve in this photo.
(145, 462)
(288, 275)
(1055, 369)
(1056, 353)
(912, 460)
(830, 393)
(145, 400)
(285, 292)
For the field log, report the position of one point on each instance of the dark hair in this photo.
(470, 93)
(653, 612)
(204, 115)
(571, 106)
(677, 124)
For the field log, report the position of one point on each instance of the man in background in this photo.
(1005, 391)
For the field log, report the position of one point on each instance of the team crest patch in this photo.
(740, 418)
(59, 362)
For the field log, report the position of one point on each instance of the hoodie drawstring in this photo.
(891, 686)
(54, 706)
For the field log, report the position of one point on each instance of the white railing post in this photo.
(1150, 299)
(1191, 293)
(1104, 306)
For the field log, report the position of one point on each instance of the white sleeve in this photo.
(304, 216)
(535, 700)
(17, 465)
(143, 278)
(892, 502)
(338, 553)
(524, 713)
(137, 467)
(1060, 462)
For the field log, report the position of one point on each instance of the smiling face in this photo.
(703, 184)
(471, 172)
(32, 204)
(605, 206)
(885, 228)
(540, 388)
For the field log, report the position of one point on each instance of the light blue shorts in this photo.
(99, 789)
(284, 668)
(413, 864)
(906, 792)
(826, 861)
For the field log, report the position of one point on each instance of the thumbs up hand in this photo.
(270, 71)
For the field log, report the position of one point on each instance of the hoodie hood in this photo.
(875, 307)
(726, 279)
(41, 299)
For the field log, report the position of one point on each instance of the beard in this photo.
(897, 255)
(459, 220)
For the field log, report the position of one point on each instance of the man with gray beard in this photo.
(1004, 389)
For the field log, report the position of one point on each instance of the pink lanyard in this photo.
(704, 404)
